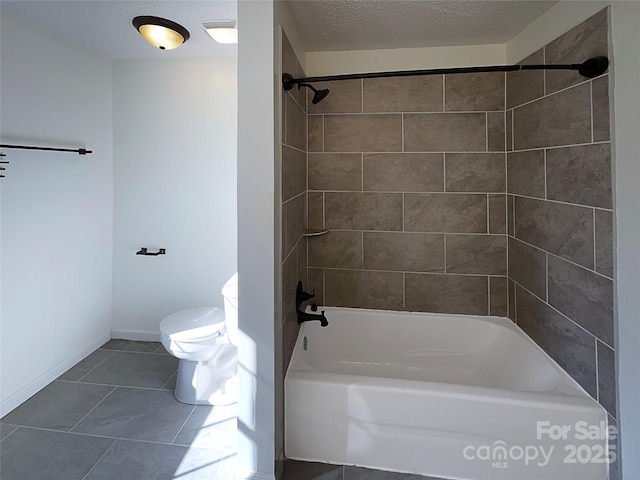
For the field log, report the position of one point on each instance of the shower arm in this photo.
(591, 68)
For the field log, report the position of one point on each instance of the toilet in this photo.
(205, 341)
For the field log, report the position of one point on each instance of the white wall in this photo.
(625, 18)
(258, 238)
(56, 210)
(362, 61)
(175, 124)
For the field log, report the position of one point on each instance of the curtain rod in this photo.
(590, 68)
(79, 151)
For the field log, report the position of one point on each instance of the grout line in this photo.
(444, 90)
(323, 214)
(362, 95)
(595, 257)
(346, 269)
(96, 406)
(103, 455)
(322, 133)
(544, 160)
(562, 258)
(546, 276)
(113, 352)
(402, 131)
(474, 234)
(362, 249)
(131, 351)
(488, 210)
(597, 373)
(403, 216)
(489, 295)
(293, 148)
(445, 252)
(362, 171)
(553, 201)
(444, 172)
(12, 431)
(185, 422)
(513, 138)
(486, 131)
(404, 290)
(556, 147)
(397, 192)
(564, 315)
(408, 112)
(287, 201)
(168, 380)
(157, 389)
(591, 106)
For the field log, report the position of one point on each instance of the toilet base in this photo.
(213, 382)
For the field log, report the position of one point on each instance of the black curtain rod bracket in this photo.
(590, 68)
(79, 151)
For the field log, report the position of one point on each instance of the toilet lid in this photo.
(193, 324)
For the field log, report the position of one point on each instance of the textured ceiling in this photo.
(372, 24)
(104, 26)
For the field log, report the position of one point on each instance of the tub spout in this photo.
(302, 296)
(308, 317)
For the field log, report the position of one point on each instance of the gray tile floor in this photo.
(295, 470)
(113, 416)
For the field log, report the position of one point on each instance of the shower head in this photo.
(318, 95)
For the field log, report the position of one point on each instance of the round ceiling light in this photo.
(160, 32)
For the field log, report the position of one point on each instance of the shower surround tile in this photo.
(403, 172)
(294, 172)
(583, 296)
(445, 132)
(295, 125)
(496, 131)
(408, 94)
(417, 252)
(580, 175)
(497, 214)
(363, 133)
(524, 86)
(315, 210)
(315, 133)
(474, 92)
(589, 39)
(563, 340)
(607, 378)
(604, 242)
(475, 172)
(498, 293)
(363, 211)
(526, 173)
(433, 293)
(345, 97)
(600, 106)
(335, 171)
(528, 267)
(560, 119)
(445, 212)
(336, 249)
(476, 254)
(564, 230)
(363, 289)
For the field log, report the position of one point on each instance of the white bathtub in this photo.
(452, 396)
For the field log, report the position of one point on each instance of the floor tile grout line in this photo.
(184, 423)
(156, 389)
(108, 357)
(100, 459)
(132, 351)
(168, 380)
(96, 406)
(93, 435)
(11, 432)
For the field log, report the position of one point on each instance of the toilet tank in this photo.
(230, 294)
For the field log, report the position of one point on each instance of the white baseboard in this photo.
(137, 335)
(25, 393)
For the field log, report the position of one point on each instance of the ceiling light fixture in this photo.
(160, 32)
(222, 31)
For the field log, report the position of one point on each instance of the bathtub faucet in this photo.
(302, 296)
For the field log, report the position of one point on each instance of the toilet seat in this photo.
(193, 325)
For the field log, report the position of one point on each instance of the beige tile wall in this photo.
(409, 176)
(559, 202)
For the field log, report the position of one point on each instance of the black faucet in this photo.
(302, 296)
